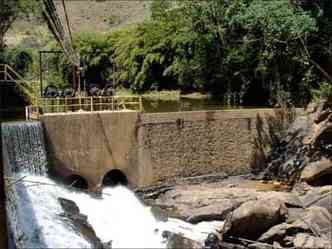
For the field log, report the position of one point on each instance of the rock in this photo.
(325, 202)
(69, 206)
(294, 214)
(212, 242)
(276, 245)
(312, 107)
(79, 222)
(316, 220)
(321, 135)
(107, 245)
(289, 199)
(159, 213)
(227, 245)
(303, 240)
(321, 197)
(312, 220)
(175, 241)
(253, 218)
(218, 211)
(204, 202)
(315, 170)
(258, 245)
(275, 233)
(322, 116)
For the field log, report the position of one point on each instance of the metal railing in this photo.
(83, 104)
(27, 88)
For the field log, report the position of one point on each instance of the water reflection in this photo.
(183, 104)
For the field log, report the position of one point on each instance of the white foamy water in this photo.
(118, 217)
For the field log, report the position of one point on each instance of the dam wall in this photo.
(150, 147)
(91, 144)
(195, 143)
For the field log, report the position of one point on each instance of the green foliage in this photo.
(10, 10)
(95, 51)
(252, 49)
(323, 92)
(250, 52)
(20, 59)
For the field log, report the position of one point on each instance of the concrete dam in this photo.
(98, 150)
(144, 149)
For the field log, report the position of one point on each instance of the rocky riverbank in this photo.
(287, 205)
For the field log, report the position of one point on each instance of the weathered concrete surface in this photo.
(91, 144)
(149, 148)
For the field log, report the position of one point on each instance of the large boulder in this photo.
(217, 211)
(206, 202)
(253, 218)
(314, 171)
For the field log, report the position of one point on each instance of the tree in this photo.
(9, 11)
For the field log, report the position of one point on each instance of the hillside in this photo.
(92, 15)
(84, 15)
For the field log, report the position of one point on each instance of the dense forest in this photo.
(258, 52)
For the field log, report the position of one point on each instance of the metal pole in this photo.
(41, 73)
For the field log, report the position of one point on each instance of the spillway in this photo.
(37, 219)
(23, 148)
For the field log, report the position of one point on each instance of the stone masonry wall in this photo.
(195, 143)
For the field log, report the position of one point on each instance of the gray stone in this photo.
(312, 220)
(325, 201)
(176, 241)
(227, 245)
(79, 221)
(294, 214)
(316, 220)
(303, 240)
(159, 213)
(275, 233)
(258, 245)
(218, 211)
(321, 197)
(315, 170)
(253, 218)
(276, 245)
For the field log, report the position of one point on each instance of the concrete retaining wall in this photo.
(149, 148)
(91, 144)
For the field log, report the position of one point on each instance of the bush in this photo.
(21, 60)
(95, 51)
(323, 92)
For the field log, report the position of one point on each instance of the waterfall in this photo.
(23, 148)
(117, 216)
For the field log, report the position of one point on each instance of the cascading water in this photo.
(24, 148)
(36, 216)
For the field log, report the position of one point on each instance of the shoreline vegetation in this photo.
(166, 95)
(247, 52)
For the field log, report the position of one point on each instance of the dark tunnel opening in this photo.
(115, 177)
(76, 181)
